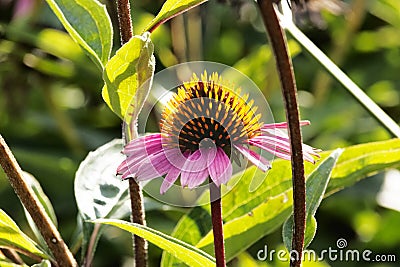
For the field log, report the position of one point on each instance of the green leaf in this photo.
(97, 188)
(99, 193)
(287, 229)
(12, 237)
(128, 76)
(88, 23)
(43, 263)
(355, 163)
(44, 200)
(315, 190)
(170, 9)
(186, 253)
(260, 221)
(10, 264)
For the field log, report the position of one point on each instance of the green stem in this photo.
(289, 92)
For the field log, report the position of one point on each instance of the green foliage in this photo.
(315, 190)
(89, 24)
(45, 202)
(10, 264)
(44, 263)
(128, 76)
(170, 9)
(186, 253)
(45, 76)
(256, 214)
(12, 237)
(99, 193)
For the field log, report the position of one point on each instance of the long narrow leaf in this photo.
(355, 163)
(341, 77)
(185, 252)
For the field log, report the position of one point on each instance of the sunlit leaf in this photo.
(99, 193)
(44, 263)
(44, 200)
(387, 10)
(245, 259)
(170, 9)
(186, 253)
(315, 190)
(88, 23)
(10, 264)
(11, 236)
(128, 76)
(355, 163)
(97, 188)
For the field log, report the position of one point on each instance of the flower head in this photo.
(203, 127)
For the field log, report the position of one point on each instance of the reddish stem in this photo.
(289, 92)
(136, 195)
(216, 218)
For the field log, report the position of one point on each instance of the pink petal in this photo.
(273, 151)
(123, 167)
(154, 166)
(142, 144)
(282, 147)
(220, 167)
(271, 141)
(194, 171)
(256, 159)
(170, 179)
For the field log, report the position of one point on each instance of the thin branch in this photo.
(135, 191)
(91, 246)
(124, 20)
(31, 255)
(46, 227)
(12, 255)
(216, 219)
(137, 216)
(289, 91)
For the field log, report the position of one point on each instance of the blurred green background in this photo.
(52, 113)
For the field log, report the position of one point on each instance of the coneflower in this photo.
(204, 127)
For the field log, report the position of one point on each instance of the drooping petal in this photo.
(272, 150)
(219, 167)
(194, 171)
(272, 142)
(170, 179)
(143, 143)
(279, 145)
(154, 166)
(122, 168)
(262, 163)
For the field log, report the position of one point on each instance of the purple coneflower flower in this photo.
(203, 127)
